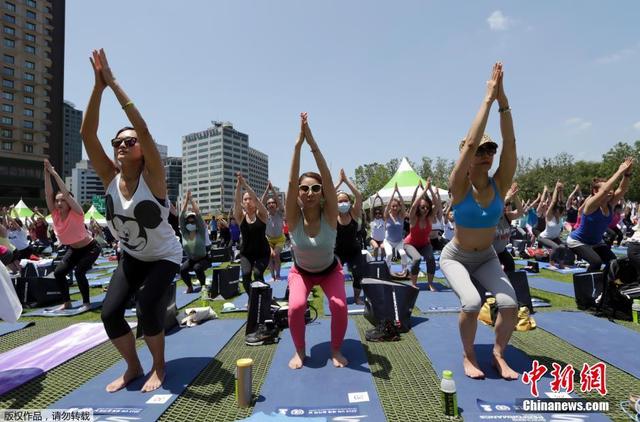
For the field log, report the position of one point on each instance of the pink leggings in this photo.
(333, 286)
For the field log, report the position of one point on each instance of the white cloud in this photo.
(499, 22)
(577, 123)
(636, 125)
(618, 55)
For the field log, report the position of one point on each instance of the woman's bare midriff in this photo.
(82, 243)
(473, 240)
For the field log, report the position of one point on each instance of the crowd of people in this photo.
(474, 231)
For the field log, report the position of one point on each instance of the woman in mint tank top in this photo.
(312, 226)
(586, 240)
(478, 202)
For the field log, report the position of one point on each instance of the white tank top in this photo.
(141, 225)
(552, 229)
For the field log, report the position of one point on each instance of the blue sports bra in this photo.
(470, 214)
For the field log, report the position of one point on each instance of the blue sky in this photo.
(380, 80)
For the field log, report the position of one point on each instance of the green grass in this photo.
(403, 375)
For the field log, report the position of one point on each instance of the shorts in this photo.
(277, 242)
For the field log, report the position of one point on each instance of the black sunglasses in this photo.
(486, 150)
(314, 188)
(129, 141)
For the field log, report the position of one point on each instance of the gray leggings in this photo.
(416, 255)
(458, 266)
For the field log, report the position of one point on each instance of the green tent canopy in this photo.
(92, 213)
(21, 210)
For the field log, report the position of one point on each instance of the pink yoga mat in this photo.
(26, 362)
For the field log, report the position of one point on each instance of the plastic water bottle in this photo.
(449, 397)
(244, 377)
(635, 310)
(204, 296)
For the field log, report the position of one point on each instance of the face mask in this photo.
(191, 227)
(344, 207)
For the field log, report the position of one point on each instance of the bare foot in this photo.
(503, 369)
(471, 368)
(189, 290)
(432, 287)
(66, 305)
(297, 360)
(359, 301)
(156, 377)
(121, 382)
(339, 361)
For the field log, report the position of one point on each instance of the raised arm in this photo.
(195, 207)
(262, 212)
(73, 204)
(48, 189)
(103, 165)
(571, 196)
(508, 156)
(415, 203)
(238, 213)
(357, 204)
(292, 208)
(330, 198)
(403, 209)
(592, 203)
(387, 209)
(554, 200)
(185, 203)
(437, 203)
(458, 180)
(623, 187)
(153, 165)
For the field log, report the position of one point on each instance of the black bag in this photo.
(285, 255)
(378, 270)
(35, 291)
(259, 306)
(225, 282)
(389, 301)
(220, 254)
(588, 287)
(171, 316)
(622, 288)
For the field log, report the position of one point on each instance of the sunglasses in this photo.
(486, 151)
(129, 141)
(271, 203)
(314, 188)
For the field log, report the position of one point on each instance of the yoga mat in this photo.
(440, 340)
(439, 286)
(182, 299)
(436, 302)
(619, 250)
(396, 268)
(28, 361)
(187, 352)
(539, 303)
(352, 308)
(548, 285)
(319, 387)
(96, 302)
(10, 327)
(279, 288)
(546, 265)
(616, 344)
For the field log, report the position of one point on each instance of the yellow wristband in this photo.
(130, 103)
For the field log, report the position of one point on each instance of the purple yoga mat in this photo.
(26, 362)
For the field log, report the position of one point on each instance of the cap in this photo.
(446, 374)
(486, 139)
(244, 363)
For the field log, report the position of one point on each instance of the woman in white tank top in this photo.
(137, 214)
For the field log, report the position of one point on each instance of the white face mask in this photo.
(344, 207)
(191, 227)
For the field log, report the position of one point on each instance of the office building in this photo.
(72, 141)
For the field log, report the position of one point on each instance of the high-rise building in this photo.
(173, 171)
(84, 182)
(72, 147)
(211, 159)
(163, 150)
(31, 102)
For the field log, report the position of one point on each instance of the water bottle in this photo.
(635, 310)
(204, 296)
(449, 397)
(244, 375)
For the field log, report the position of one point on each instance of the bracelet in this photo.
(130, 103)
(504, 110)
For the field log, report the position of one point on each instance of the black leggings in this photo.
(416, 254)
(438, 243)
(595, 256)
(558, 248)
(633, 253)
(506, 260)
(356, 262)
(615, 234)
(197, 265)
(80, 260)
(149, 281)
(253, 267)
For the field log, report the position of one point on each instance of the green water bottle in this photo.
(635, 310)
(449, 397)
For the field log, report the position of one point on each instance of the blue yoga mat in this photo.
(440, 340)
(96, 302)
(318, 387)
(10, 327)
(553, 286)
(435, 302)
(546, 265)
(182, 299)
(184, 363)
(618, 345)
(279, 288)
(352, 308)
(619, 250)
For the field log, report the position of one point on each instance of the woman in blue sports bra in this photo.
(586, 241)
(477, 203)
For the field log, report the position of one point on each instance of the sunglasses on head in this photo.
(129, 141)
(486, 151)
(314, 188)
